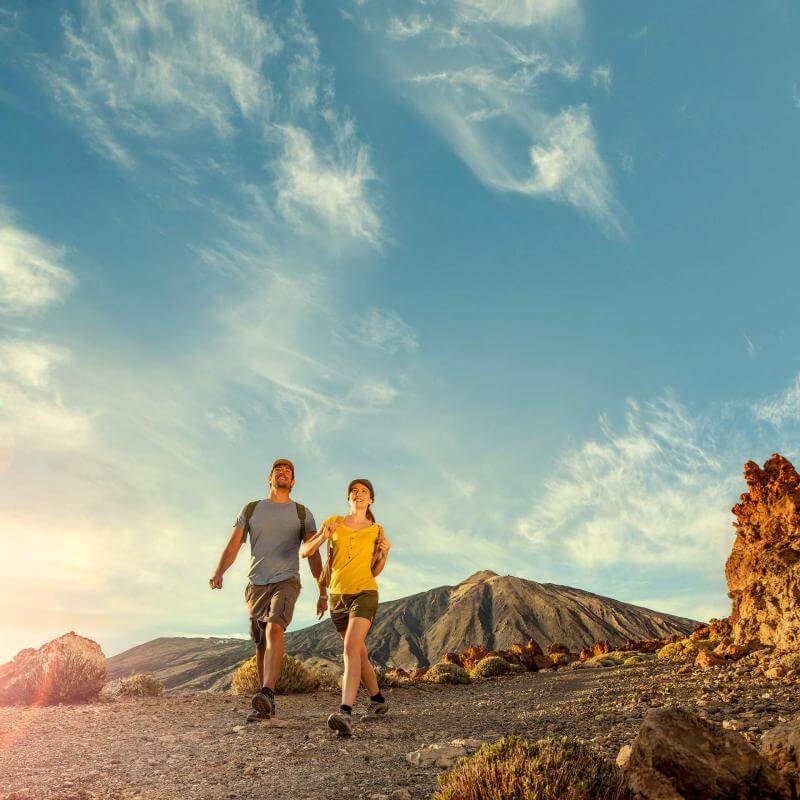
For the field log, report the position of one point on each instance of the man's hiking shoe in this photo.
(341, 723)
(263, 704)
(375, 711)
(254, 716)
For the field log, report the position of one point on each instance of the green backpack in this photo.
(251, 507)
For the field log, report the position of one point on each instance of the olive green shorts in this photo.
(344, 606)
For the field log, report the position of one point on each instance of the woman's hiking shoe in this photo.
(341, 723)
(375, 710)
(263, 704)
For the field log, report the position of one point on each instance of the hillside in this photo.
(494, 611)
(487, 609)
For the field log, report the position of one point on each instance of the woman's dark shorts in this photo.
(344, 606)
(270, 603)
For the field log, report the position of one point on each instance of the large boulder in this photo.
(70, 669)
(763, 570)
(781, 747)
(675, 751)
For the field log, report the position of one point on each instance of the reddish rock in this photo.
(523, 654)
(700, 632)
(763, 569)
(675, 751)
(601, 648)
(472, 655)
(557, 647)
(418, 674)
(70, 669)
(706, 659)
(542, 662)
(585, 654)
(453, 658)
(398, 672)
(781, 747)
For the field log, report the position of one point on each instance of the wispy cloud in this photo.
(750, 346)
(386, 331)
(32, 275)
(159, 68)
(409, 28)
(138, 76)
(489, 93)
(519, 13)
(657, 491)
(602, 77)
(781, 409)
(330, 186)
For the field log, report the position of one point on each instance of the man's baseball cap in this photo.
(279, 461)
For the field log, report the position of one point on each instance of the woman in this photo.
(357, 552)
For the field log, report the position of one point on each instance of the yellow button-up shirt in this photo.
(353, 553)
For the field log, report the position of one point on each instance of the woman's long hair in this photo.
(368, 484)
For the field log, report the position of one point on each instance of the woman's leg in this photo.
(367, 672)
(357, 629)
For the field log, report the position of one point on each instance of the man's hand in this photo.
(215, 582)
(322, 605)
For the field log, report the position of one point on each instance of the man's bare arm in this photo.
(227, 558)
(315, 563)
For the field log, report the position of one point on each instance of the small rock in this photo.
(623, 756)
(400, 794)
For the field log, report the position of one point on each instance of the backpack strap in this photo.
(301, 515)
(248, 512)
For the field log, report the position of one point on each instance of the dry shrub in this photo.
(325, 678)
(489, 667)
(70, 678)
(444, 672)
(294, 678)
(635, 658)
(520, 769)
(686, 649)
(576, 665)
(141, 685)
(790, 661)
(516, 667)
(390, 678)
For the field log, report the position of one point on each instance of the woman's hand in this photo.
(383, 547)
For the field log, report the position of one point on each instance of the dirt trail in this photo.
(198, 746)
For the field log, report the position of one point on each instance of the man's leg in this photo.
(260, 653)
(272, 656)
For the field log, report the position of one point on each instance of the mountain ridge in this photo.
(417, 630)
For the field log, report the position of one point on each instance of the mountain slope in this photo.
(495, 612)
(485, 609)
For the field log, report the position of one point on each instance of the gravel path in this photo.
(198, 746)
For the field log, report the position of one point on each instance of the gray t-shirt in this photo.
(275, 540)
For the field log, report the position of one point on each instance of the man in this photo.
(277, 526)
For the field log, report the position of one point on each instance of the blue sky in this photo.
(529, 265)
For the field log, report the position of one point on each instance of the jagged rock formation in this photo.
(763, 570)
(69, 669)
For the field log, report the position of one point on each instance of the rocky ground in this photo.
(198, 745)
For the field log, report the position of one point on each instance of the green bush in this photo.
(519, 769)
(294, 678)
(140, 686)
(606, 660)
(635, 658)
(445, 672)
(490, 666)
(516, 667)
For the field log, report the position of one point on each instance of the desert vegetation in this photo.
(516, 768)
